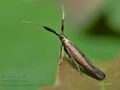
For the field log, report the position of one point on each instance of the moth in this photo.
(74, 53)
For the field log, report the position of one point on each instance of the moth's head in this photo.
(63, 37)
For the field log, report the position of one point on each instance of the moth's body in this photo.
(75, 54)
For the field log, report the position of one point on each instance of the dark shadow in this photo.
(100, 28)
(81, 68)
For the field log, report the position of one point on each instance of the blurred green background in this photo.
(29, 54)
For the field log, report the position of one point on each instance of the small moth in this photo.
(74, 53)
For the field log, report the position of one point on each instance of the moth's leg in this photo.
(61, 57)
(62, 32)
(78, 67)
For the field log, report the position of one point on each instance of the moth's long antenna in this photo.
(63, 17)
(45, 27)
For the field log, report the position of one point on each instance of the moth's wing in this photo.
(61, 55)
(83, 55)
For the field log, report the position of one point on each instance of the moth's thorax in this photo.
(64, 40)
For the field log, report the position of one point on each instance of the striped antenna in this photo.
(63, 17)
